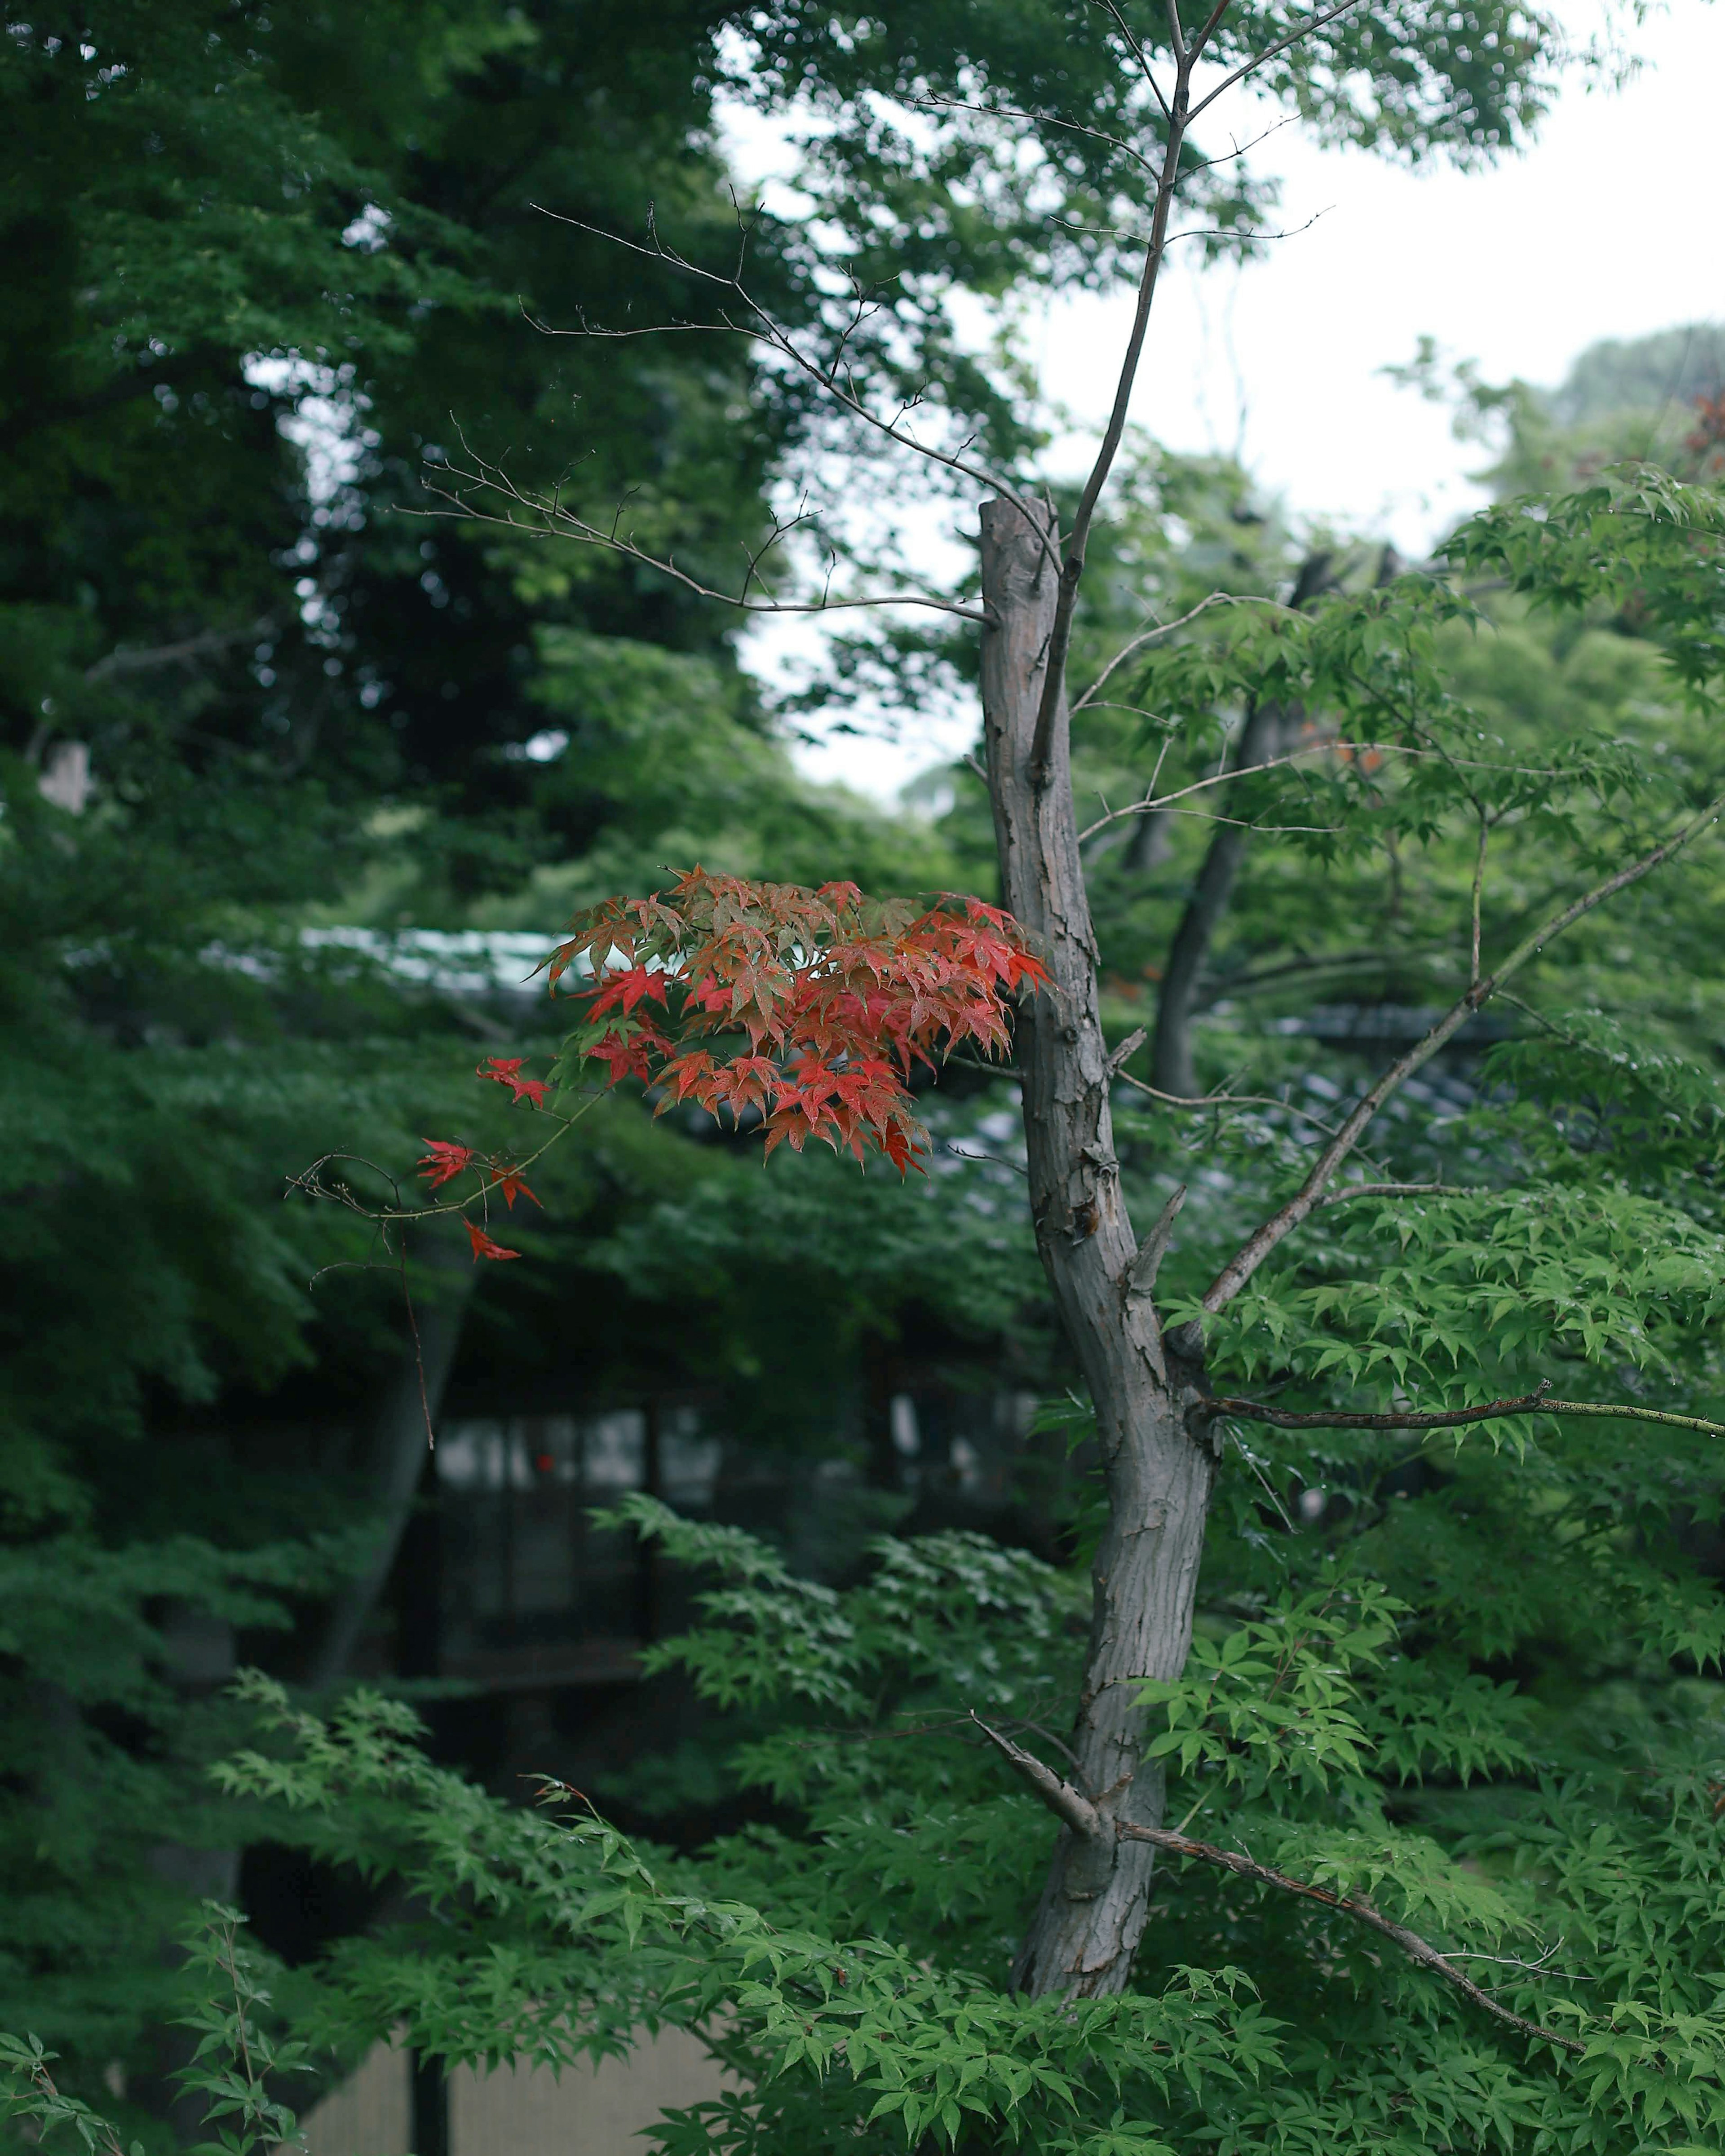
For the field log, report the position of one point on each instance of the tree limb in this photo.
(1388, 1190)
(1152, 802)
(1537, 1402)
(1140, 1275)
(771, 333)
(1417, 1950)
(1258, 1246)
(1077, 1813)
(1053, 680)
(204, 644)
(1067, 1804)
(1266, 727)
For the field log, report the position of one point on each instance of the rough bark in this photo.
(1082, 1939)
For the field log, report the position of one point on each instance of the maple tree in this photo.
(983, 1930)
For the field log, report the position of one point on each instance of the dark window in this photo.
(529, 1583)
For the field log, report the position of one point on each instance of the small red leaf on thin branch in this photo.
(442, 1160)
(483, 1246)
(508, 1180)
(507, 1072)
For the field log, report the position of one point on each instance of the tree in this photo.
(858, 1970)
(1335, 1676)
(1362, 664)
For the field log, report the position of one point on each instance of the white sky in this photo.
(1609, 226)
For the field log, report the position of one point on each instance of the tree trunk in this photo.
(1172, 1068)
(1093, 1907)
(1267, 734)
(396, 1449)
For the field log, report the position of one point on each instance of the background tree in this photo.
(254, 263)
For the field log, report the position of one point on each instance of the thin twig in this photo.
(554, 521)
(1153, 802)
(771, 333)
(983, 1159)
(1167, 628)
(1479, 882)
(1259, 60)
(1053, 682)
(1390, 1190)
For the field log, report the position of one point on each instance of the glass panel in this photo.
(522, 1565)
(688, 1460)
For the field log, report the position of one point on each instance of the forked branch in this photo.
(760, 327)
(1178, 113)
(1417, 1950)
(1075, 1812)
(1258, 1246)
(1068, 1804)
(546, 517)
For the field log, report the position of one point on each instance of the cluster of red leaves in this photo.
(808, 1007)
(445, 1159)
(508, 1072)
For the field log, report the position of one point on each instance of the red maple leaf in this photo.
(508, 1180)
(627, 989)
(444, 1159)
(483, 1246)
(507, 1072)
(810, 1009)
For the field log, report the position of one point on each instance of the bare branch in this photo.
(1258, 1246)
(1137, 50)
(1281, 45)
(767, 329)
(1034, 120)
(1167, 628)
(205, 644)
(1075, 1809)
(1212, 24)
(544, 516)
(983, 1159)
(1417, 1950)
(1479, 884)
(1140, 1274)
(1152, 804)
(1243, 239)
(1130, 1046)
(1212, 1100)
(1072, 567)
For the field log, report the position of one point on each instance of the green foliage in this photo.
(231, 2067)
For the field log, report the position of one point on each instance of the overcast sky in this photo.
(1610, 226)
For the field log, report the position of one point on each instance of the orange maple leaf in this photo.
(508, 1180)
